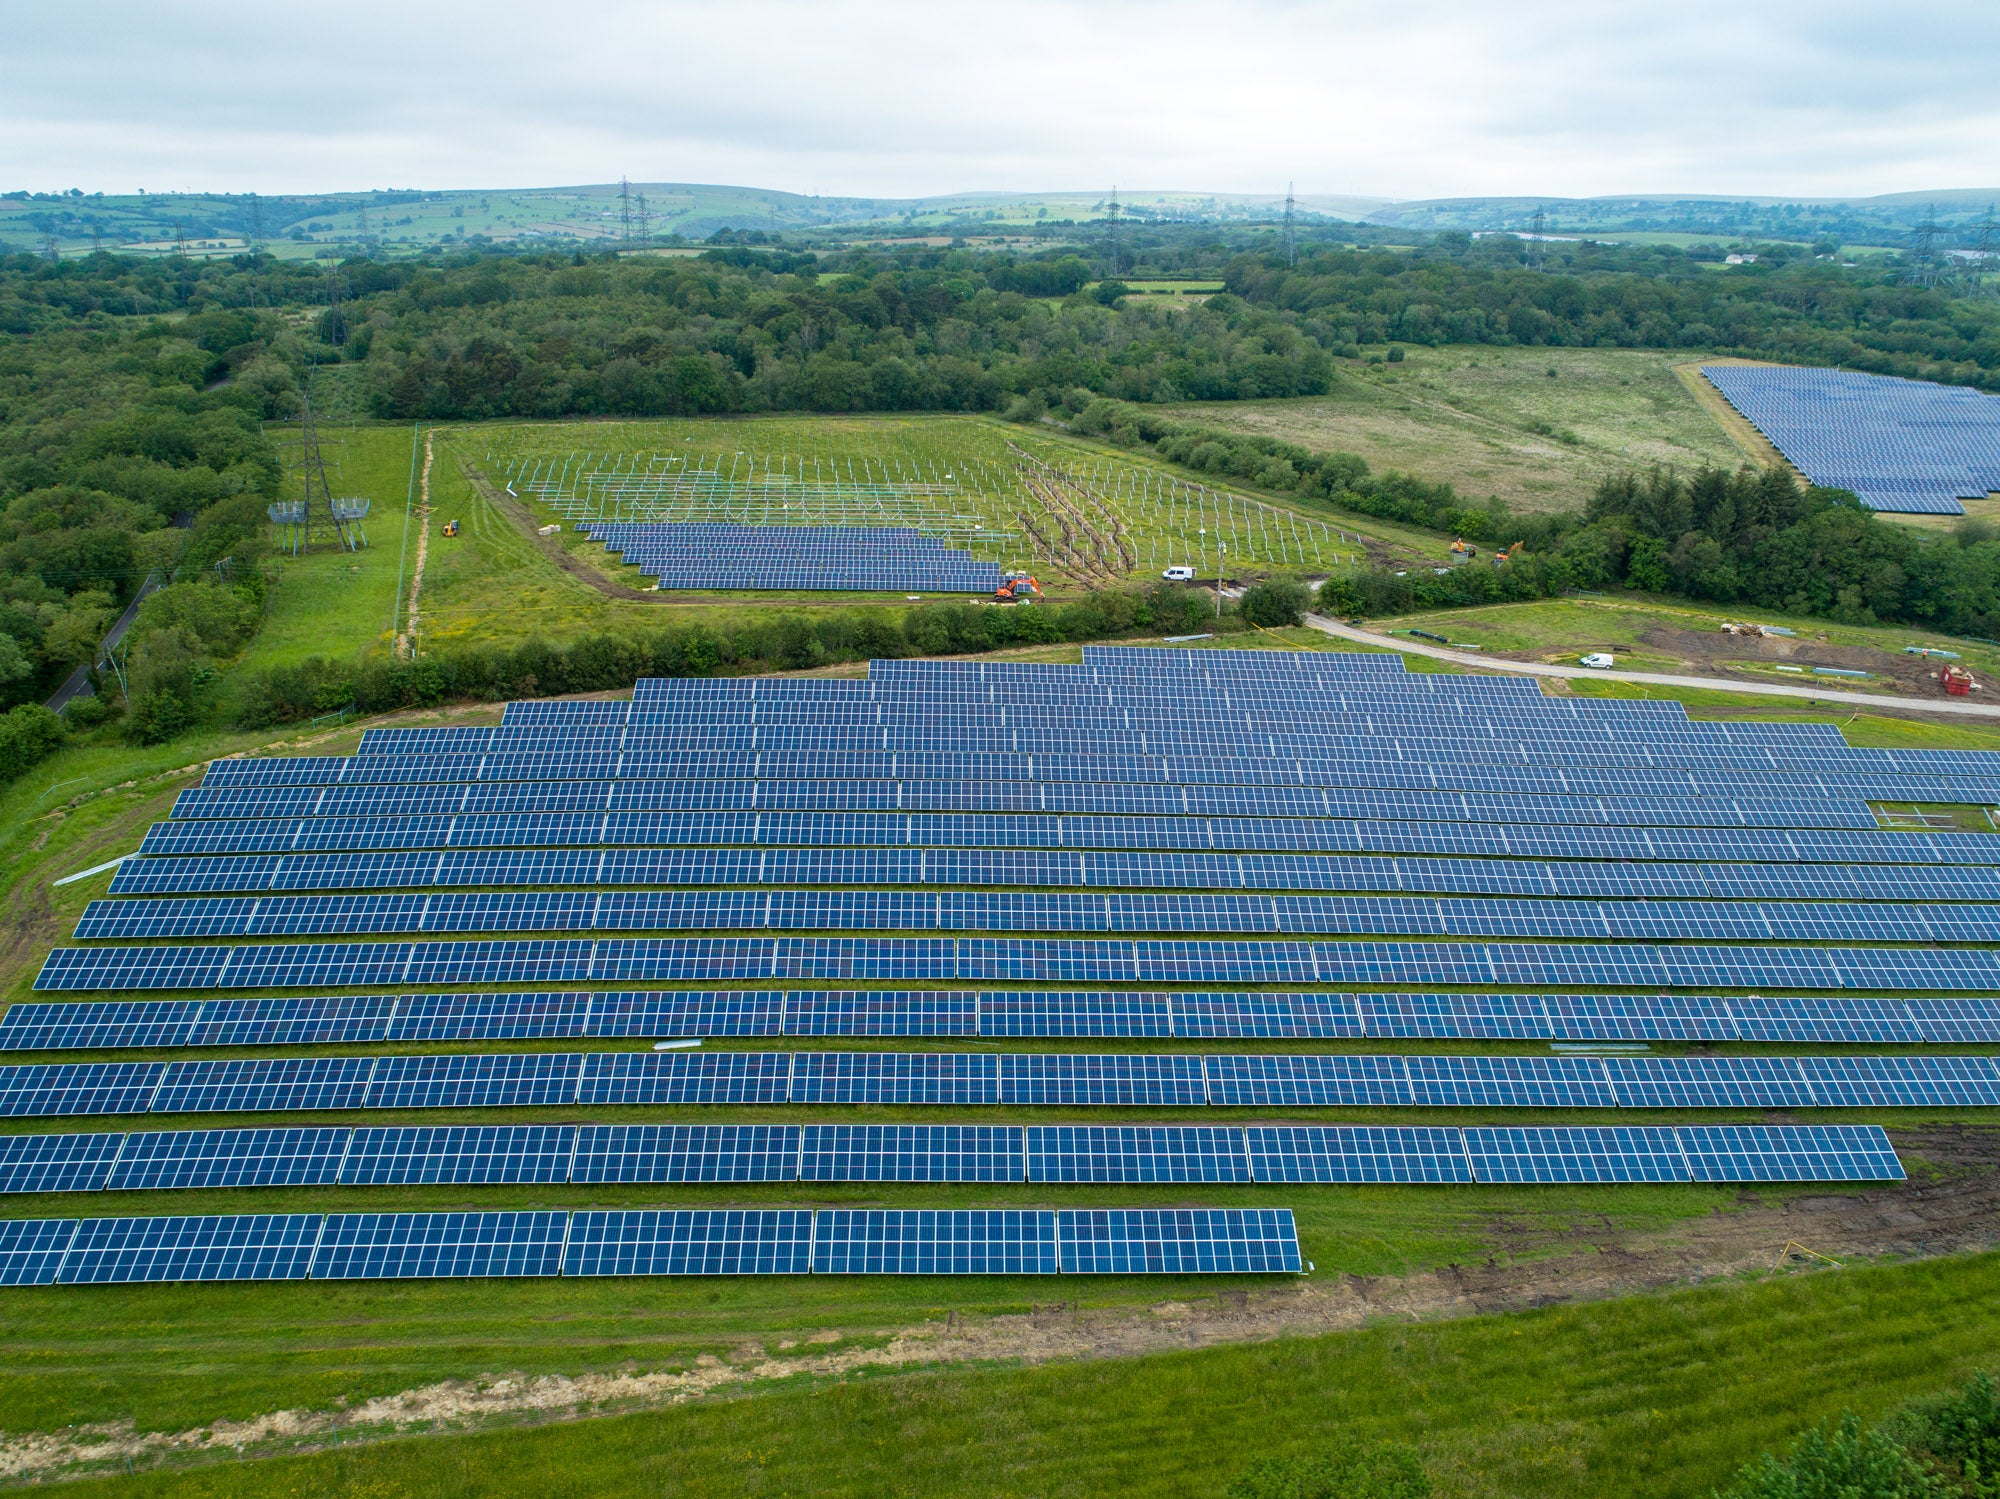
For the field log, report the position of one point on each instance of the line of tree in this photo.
(786, 642)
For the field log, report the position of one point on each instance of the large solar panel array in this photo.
(1149, 845)
(1902, 445)
(994, 1079)
(851, 559)
(1096, 1154)
(649, 1241)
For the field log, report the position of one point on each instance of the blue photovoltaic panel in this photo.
(1607, 1017)
(1708, 1082)
(969, 1241)
(159, 1160)
(686, 1153)
(911, 1153)
(462, 1155)
(292, 1022)
(1135, 1153)
(1756, 1152)
(95, 1025)
(490, 1017)
(1901, 1081)
(1509, 1082)
(1177, 1241)
(1276, 1080)
(1266, 1016)
(466, 1082)
(32, 1249)
(265, 1083)
(1453, 1016)
(1954, 1020)
(56, 1163)
(1567, 1154)
(670, 1015)
(626, 1077)
(388, 1246)
(1134, 1080)
(895, 1077)
(1003, 1014)
(53, 1089)
(108, 1251)
(696, 1241)
(1356, 1153)
(1830, 1019)
(940, 1013)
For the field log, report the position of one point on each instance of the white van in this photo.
(1599, 659)
(1179, 575)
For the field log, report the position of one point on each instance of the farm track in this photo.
(1951, 1205)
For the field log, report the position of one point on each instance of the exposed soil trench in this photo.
(1950, 1205)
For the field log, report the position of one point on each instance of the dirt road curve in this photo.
(552, 546)
(1955, 706)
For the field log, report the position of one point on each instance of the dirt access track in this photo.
(552, 546)
(1950, 1205)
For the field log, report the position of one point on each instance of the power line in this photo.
(1291, 244)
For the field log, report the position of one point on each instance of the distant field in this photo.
(1493, 421)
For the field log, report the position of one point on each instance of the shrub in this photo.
(1843, 1462)
(1275, 603)
(28, 736)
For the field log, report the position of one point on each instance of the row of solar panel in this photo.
(1080, 1154)
(105, 1025)
(1032, 769)
(1050, 831)
(204, 802)
(544, 1079)
(1184, 738)
(1018, 960)
(650, 1241)
(926, 867)
(1019, 911)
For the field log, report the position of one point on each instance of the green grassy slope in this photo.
(1656, 1396)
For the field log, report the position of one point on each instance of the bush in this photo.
(28, 736)
(1275, 604)
(1844, 1462)
(1347, 1471)
(1956, 1436)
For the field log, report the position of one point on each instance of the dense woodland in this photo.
(137, 397)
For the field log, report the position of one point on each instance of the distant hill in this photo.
(1890, 217)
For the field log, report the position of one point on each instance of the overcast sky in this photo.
(1389, 98)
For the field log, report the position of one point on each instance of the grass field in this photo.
(1655, 1396)
(1492, 421)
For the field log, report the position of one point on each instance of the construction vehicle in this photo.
(1511, 553)
(1017, 588)
(451, 528)
(1957, 680)
(1462, 551)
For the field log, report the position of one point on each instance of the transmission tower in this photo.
(624, 213)
(336, 320)
(1985, 249)
(256, 223)
(1924, 265)
(316, 506)
(1116, 255)
(645, 219)
(1538, 227)
(361, 228)
(1291, 244)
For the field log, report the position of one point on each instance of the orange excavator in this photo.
(1017, 588)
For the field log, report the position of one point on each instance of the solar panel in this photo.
(686, 1153)
(1554, 1153)
(461, 1155)
(1754, 1152)
(904, 1013)
(1121, 1080)
(1356, 1153)
(689, 1241)
(911, 1153)
(680, 1077)
(467, 1082)
(32, 1249)
(1135, 1153)
(895, 1077)
(968, 1241)
(392, 1246)
(51, 1089)
(1177, 1241)
(57, 1163)
(109, 1251)
(228, 1158)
